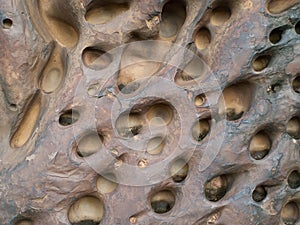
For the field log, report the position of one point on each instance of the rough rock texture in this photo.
(61, 88)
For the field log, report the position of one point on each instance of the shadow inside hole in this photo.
(294, 179)
(179, 170)
(297, 28)
(259, 194)
(296, 84)
(276, 35)
(293, 127)
(261, 62)
(162, 202)
(7, 23)
(220, 15)
(290, 213)
(68, 117)
(216, 188)
(260, 145)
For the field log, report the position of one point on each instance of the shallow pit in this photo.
(200, 129)
(293, 127)
(172, 18)
(296, 84)
(235, 101)
(7, 23)
(89, 144)
(27, 123)
(276, 35)
(101, 12)
(179, 170)
(24, 222)
(162, 202)
(259, 194)
(220, 15)
(279, 6)
(200, 100)
(202, 38)
(159, 114)
(260, 63)
(96, 59)
(290, 213)
(216, 188)
(294, 179)
(69, 117)
(129, 124)
(297, 27)
(54, 72)
(106, 184)
(260, 145)
(155, 145)
(86, 210)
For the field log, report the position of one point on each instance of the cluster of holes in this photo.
(219, 16)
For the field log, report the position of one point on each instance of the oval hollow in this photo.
(220, 15)
(293, 127)
(202, 38)
(7, 23)
(96, 59)
(216, 188)
(86, 209)
(200, 129)
(294, 179)
(179, 170)
(162, 202)
(260, 145)
(235, 101)
(68, 117)
(290, 213)
(89, 144)
(259, 194)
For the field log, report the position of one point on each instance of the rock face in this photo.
(101, 99)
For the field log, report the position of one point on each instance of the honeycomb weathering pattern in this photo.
(58, 56)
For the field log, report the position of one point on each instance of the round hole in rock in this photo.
(86, 210)
(159, 113)
(220, 15)
(106, 184)
(290, 213)
(89, 144)
(297, 28)
(296, 84)
(261, 62)
(293, 127)
(279, 6)
(294, 179)
(216, 188)
(259, 194)
(7, 23)
(68, 117)
(200, 100)
(275, 35)
(179, 170)
(200, 129)
(260, 145)
(93, 90)
(163, 201)
(24, 222)
(129, 125)
(172, 18)
(95, 59)
(235, 101)
(202, 38)
(155, 145)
